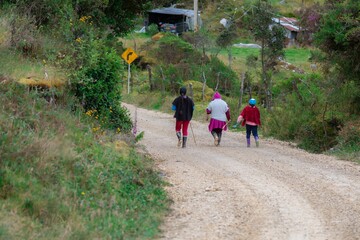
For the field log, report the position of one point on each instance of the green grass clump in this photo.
(60, 180)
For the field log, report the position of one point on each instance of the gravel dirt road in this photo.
(233, 192)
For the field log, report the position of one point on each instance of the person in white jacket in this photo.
(220, 115)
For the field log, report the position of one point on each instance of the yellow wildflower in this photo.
(84, 18)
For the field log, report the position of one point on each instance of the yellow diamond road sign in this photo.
(129, 55)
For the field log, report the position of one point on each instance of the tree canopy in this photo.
(117, 15)
(339, 37)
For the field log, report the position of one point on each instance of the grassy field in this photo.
(134, 40)
(298, 57)
(16, 66)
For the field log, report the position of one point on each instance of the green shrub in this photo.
(152, 29)
(174, 50)
(304, 114)
(98, 87)
(95, 74)
(284, 121)
(350, 134)
(317, 136)
(228, 79)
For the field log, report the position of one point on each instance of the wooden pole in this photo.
(148, 67)
(203, 88)
(217, 81)
(193, 133)
(195, 15)
(129, 75)
(241, 90)
(162, 82)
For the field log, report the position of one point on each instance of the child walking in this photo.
(250, 116)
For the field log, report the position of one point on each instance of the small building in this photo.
(173, 15)
(291, 28)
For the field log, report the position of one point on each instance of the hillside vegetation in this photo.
(60, 178)
(69, 166)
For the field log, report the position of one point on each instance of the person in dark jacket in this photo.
(250, 116)
(184, 108)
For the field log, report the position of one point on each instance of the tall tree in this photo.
(271, 37)
(226, 39)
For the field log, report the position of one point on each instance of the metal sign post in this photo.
(129, 76)
(129, 56)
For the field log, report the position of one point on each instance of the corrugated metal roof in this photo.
(174, 11)
(289, 20)
(290, 27)
(288, 23)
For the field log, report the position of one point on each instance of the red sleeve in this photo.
(243, 113)
(228, 115)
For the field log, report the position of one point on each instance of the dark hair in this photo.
(183, 91)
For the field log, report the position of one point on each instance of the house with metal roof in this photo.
(291, 28)
(173, 15)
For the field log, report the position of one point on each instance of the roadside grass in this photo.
(63, 178)
(349, 153)
(349, 142)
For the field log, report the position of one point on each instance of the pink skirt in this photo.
(217, 124)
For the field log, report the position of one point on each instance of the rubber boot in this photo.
(184, 142)
(178, 134)
(219, 136)
(216, 138)
(257, 141)
(248, 142)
